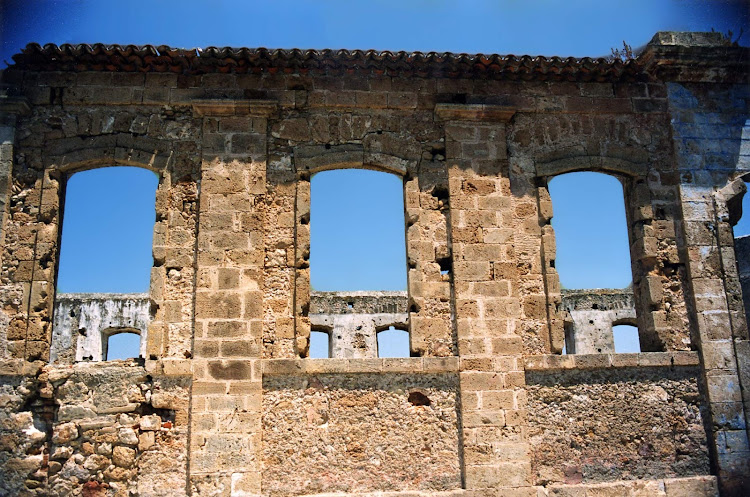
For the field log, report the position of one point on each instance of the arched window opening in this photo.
(320, 345)
(591, 231)
(121, 344)
(357, 232)
(592, 258)
(393, 342)
(107, 232)
(626, 339)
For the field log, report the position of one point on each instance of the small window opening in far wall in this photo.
(320, 345)
(626, 339)
(123, 345)
(393, 343)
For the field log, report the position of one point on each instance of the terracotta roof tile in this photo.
(148, 58)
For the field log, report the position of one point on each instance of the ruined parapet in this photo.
(353, 319)
(593, 313)
(84, 321)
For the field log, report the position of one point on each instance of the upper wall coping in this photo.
(101, 296)
(687, 49)
(165, 59)
(598, 299)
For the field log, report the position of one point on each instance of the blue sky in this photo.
(542, 27)
(534, 27)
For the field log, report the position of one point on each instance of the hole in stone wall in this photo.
(107, 232)
(442, 195)
(124, 345)
(418, 399)
(626, 339)
(445, 266)
(393, 342)
(320, 345)
(357, 236)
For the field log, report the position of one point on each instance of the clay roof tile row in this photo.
(148, 58)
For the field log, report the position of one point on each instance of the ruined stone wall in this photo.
(352, 320)
(83, 322)
(591, 314)
(742, 247)
(358, 433)
(226, 402)
(585, 424)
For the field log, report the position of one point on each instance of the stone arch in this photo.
(728, 199)
(71, 155)
(637, 197)
(728, 211)
(309, 160)
(593, 163)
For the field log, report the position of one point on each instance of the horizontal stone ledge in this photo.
(693, 486)
(380, 365)
(170, 367)
(474, 112)
(604, 361)
(232, 107)
(14, 105)
(403, 493)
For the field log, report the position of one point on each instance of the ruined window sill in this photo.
(602, 361)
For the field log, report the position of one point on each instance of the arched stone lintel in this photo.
(592, 163)
(71, 155)
(316, 158)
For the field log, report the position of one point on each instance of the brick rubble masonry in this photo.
(224, 399)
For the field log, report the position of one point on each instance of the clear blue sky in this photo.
(543, 27)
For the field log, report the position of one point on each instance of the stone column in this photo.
(708, 124)
(487, 298)
(229, 314)
(30, 242)
(429, 260)
(10, 109)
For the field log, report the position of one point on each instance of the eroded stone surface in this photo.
(588, 426)
(357, 433)
(235, 136)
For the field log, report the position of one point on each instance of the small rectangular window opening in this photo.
(393, 343)
(124, 345)
(320, 345)
(626, 339)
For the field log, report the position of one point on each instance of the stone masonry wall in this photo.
(352, 320)
(226, 402)
(357, 433)
(585, 426)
